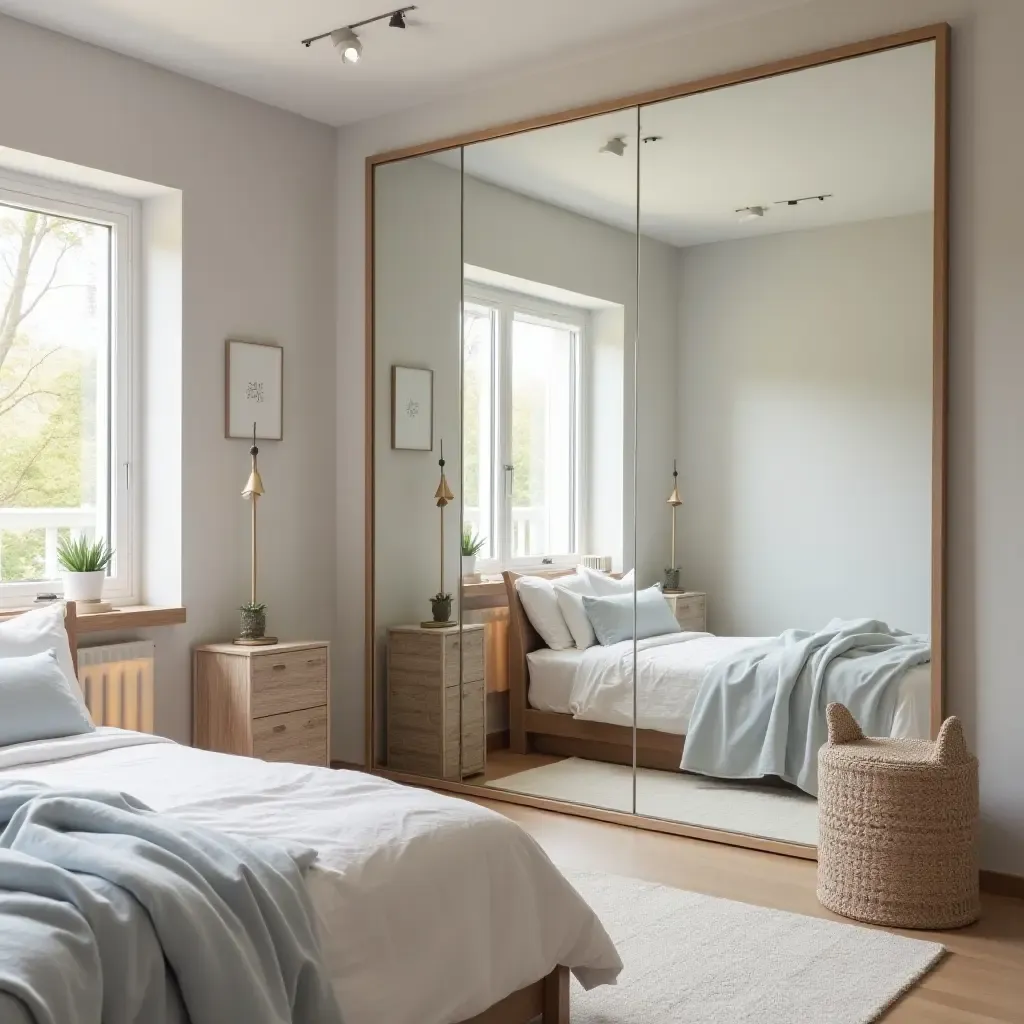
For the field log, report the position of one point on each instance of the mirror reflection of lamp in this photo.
(253, 635)
(441, 602)
(671, 582)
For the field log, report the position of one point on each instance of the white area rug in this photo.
(756, 809)
(693, 959)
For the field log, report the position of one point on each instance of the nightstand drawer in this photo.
(289, 681)
(299, 737)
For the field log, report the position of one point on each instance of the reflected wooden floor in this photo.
(981, 982)
(502, 763)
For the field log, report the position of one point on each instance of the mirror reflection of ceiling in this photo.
(861, 129)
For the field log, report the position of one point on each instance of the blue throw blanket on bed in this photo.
(762, 711)
(109, 911)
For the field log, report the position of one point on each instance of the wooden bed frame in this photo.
(547, 999)
(548, 732)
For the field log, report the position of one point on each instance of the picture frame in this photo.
(253, 389)
(412, 408)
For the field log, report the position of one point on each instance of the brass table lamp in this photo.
(252, 491)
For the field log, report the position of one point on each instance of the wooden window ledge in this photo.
(130, 617)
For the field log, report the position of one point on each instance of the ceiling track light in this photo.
(348, 44)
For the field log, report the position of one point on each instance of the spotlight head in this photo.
(616, 144)
(748, 213)
(347, 43)
(397, 20)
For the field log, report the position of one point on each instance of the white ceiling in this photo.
(860, 129)
(252, 46)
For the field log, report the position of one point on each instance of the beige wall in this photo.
(986, 416)
(805, 426)
(258, 261)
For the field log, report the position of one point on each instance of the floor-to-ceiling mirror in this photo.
(549, 323)
(797, 389)
(657, 444)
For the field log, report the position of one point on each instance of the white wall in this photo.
(986, 485)
(258, 261)
(805, 426)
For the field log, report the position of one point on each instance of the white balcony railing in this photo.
(529, 528)
(79, 521)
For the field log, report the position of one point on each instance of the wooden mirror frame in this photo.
(940, 35)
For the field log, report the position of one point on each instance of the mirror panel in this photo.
(549, 311)
(795, 398)
(417, 292)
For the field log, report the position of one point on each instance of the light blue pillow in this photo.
(612, 617)
(36, 701)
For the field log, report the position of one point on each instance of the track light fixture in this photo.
(348, 44)
(751, 212)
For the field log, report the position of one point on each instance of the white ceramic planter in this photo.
(83, 586)
(468, 565)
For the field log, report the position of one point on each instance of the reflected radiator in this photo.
(117, 680)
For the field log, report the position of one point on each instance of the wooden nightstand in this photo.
(268, 702)
(690, 610)
(424, 734)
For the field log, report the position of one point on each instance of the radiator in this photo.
(117, 680)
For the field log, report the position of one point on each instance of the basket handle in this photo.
(842, 726)
(951, 747)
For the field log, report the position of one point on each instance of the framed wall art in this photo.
(412, 408)
(253, 389)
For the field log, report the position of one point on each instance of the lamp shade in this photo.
(254, 486)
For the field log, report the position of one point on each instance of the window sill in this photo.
(128, 617)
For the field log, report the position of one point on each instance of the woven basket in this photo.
(897, 827)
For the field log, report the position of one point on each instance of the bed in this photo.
(580, 703)
(400, 881)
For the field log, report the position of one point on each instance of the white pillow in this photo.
(39, 630)
(569, 591)
(541, 607)
(603, 585)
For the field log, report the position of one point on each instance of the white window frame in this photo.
(123, 216)
(508, 305)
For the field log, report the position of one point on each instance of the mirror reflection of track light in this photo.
(348, 44)
(748, 213)
(616, 144)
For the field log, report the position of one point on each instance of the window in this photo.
(65, 383)
(521, 428)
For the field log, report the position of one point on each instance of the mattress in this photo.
(596, 685)
(401, 876)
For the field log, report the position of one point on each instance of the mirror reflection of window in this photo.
(522, 427)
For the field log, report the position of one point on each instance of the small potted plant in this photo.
(83, 564)
(441, 606)
(472, 545)
(254, 620)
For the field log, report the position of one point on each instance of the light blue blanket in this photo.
(762, 711)
(109, 911)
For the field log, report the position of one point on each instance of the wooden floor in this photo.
(502, 763)
(981, 982)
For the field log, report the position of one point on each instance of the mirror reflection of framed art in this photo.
(412, 412)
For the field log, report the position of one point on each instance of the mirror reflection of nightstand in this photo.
(690, 610)
(427, 733)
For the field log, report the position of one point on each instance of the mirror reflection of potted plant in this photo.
(472, 545)
(83, 564)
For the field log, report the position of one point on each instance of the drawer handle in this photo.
(313, 661)
(280, 668)
(280, 728)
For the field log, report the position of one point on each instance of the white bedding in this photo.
(431, 909)
(596, 685)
